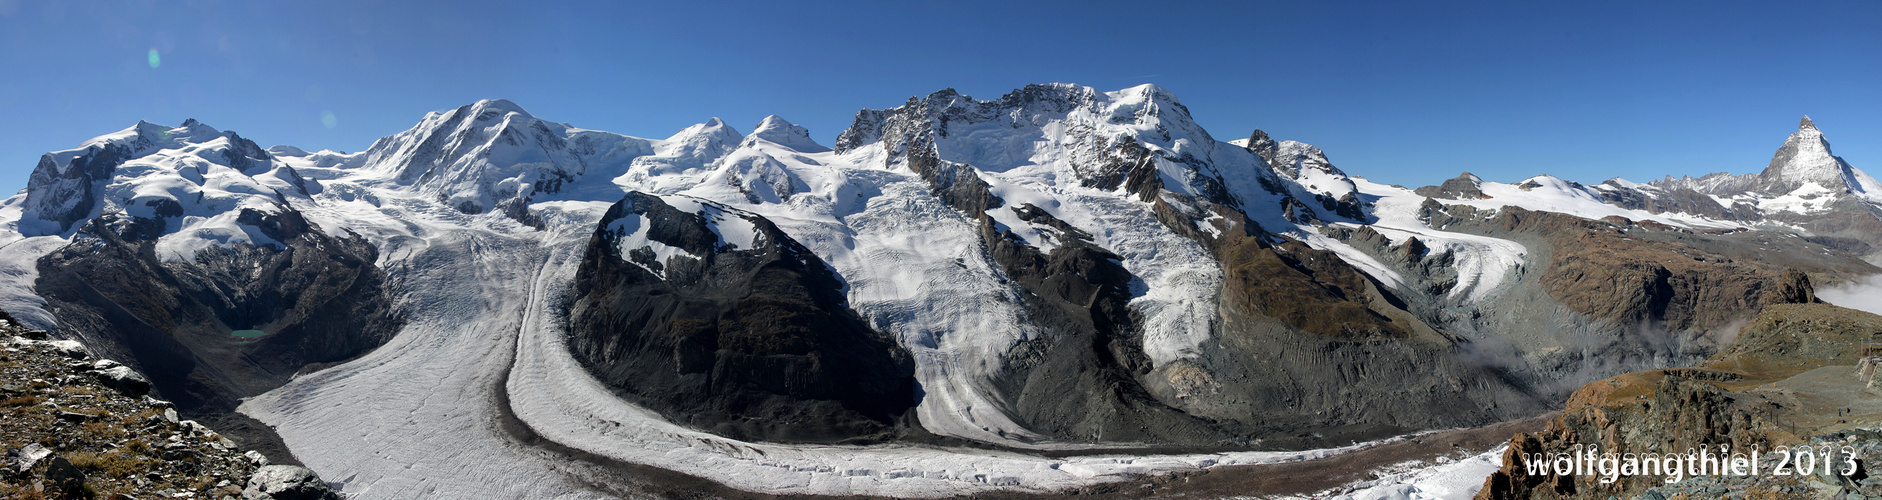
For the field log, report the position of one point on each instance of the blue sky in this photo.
(1400, 92)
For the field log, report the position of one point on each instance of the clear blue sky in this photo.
(1401, 92)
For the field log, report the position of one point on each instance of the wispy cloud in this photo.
(1863, 294)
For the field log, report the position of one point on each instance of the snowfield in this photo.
(1454, 480)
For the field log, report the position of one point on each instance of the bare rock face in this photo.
(748, 339)
(1312, 290)
(316, 299)
(1794, 289)
(1598, 270)
(1677, 199)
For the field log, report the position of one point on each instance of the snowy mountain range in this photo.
(952, 287)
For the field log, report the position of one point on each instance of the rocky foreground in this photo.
(82, 428)
(1801, 376)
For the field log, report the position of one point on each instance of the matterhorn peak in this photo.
(1805, 158)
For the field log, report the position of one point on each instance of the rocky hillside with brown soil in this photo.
(1792, 378)
(75, 427)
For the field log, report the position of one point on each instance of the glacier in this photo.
(480, 215)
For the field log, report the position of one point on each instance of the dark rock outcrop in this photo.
(751, 343)
(1462, 187)
(1672, 200)
(1082, 381)
(64, 193)
(1794, 289)
(314, 300)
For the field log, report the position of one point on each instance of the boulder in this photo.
(68, 348)
(287, 482)
(61, 479)
(122, 378)
(30, 456)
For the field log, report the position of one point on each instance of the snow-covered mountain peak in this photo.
(708, 140)
(1152, 91)
(1803, 178)
(188, 187)
(145, 137)
(193, 131)
(787, 134)
(493, 155)
(1805, 158)
(1039, 124)
(488, 109)
(1294, 159)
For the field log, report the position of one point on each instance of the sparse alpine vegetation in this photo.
(73, 427)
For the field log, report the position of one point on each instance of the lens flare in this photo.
(327, 119)
(155, 60)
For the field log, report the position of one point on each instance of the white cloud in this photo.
(1863, 294)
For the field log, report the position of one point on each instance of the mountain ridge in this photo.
(1065, 269)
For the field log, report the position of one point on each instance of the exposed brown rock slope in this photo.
(1788, 380)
